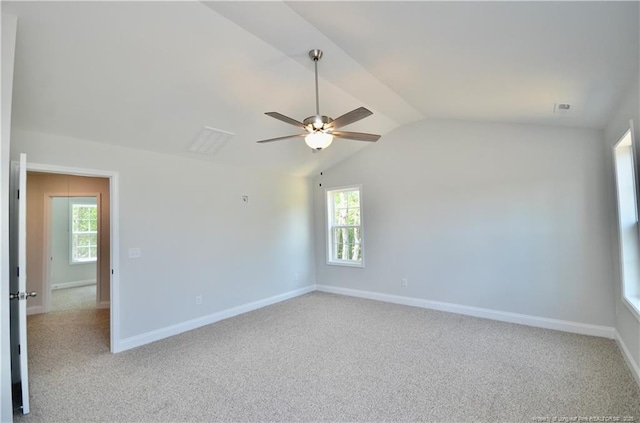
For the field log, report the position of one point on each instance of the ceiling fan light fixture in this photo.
(322, 129)
(318, 140)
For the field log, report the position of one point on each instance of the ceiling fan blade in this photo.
(350, 117)
(286, 119)
(282, 138)
(358, 136)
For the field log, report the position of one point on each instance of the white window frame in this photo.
(329, 209)
(72, 260)
(629, 250)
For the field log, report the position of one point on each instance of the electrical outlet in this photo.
(198, 299)
(404, 282)
(134, 253)
(296, 277)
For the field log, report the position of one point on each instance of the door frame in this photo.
(114, 245)
(46, 245)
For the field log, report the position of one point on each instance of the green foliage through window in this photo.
(345, 229)
(84, 233)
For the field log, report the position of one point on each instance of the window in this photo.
(84, 233)
(623, 153)
(344, 226)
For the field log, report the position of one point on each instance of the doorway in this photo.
(69, 194)
(61, 181)
(73, 247)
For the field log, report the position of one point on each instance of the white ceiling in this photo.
(150, 75)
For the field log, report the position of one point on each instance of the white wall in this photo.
(195, 235)
(627, 323)
(9, 26)
(512, 218)
(63, 273)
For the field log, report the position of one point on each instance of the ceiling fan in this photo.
(321, 130)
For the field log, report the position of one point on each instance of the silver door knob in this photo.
(22, 295)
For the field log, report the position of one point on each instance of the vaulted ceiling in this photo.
(151, 75)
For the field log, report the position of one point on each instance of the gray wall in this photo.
(511, 218)
(63, 273)
(627, 322)
(195, 235)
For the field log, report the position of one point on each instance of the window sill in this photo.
(346, 264)
(76, 263)
(633, 304)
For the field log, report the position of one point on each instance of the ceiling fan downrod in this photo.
(316, 55)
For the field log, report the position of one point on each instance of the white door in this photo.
(18, 283)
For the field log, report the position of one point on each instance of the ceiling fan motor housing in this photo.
(317, 123)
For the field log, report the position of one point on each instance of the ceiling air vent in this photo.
(210, 141)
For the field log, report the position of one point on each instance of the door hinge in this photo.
(19, 350)
(18, 193)
(17, 271)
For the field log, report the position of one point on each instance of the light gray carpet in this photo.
(73, 298)
(323, 357)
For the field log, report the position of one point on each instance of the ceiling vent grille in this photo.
(210, 141)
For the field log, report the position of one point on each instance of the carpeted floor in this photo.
(73, 298)
(323, 357)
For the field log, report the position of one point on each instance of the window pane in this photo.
(338, 199)
(351, 252)
(353, 199)
(84, 228)
(83, 241)
(347, 243)
(344, 221)
(82, 253)
(353, 216)
(627, 218)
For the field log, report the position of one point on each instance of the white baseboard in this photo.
(523, 319)
(35, 310)
(104, 304)
(628, 358)
(156, 335)
(74, 284)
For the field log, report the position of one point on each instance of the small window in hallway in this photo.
(84, 233)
